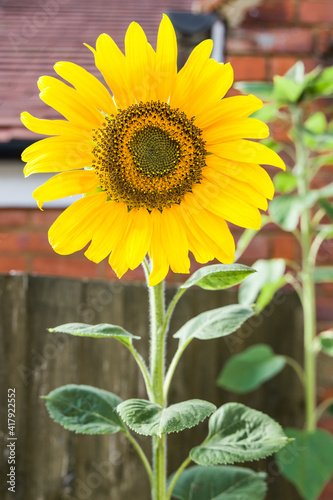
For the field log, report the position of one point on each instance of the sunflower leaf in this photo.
(150, 419)
(263, 90)
(238, 434)
(307, 461)
(103, 330)
(269, 278)
(214, 324)
(220, 483)
(326, 342)
(246, 371)
(218, 276)
(85, 409)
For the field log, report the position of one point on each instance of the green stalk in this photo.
(308, 289)
(157, 370)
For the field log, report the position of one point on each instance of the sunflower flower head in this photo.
(162, 158)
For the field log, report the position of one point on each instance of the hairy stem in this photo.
(306, 275)
(157, 370)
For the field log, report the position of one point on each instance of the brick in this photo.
(273, 40)
(284, 247)
(325, 254)
(12, 263)
(257, 249)
(324, 309)
(24, 240)
(316, 11)
(327, 493)
(45, 218)
(248, 68)
(65, 266)
(13, 217)
(277, 11)
(324, 44)
(280, 65)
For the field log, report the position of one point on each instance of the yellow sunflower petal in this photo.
(139, 237)
(174, 240)
(235, 188)
(140, 67)
(202, 243)
(92, 90)
(111, 63)
(212, 227)
(211, 86)
(189, 73)
(56, 154)
(235, 107)
(235, 129)
(68, 102)
(251, 173)
(166, 60)
(48, 127)
(157, 252)
(113, 220)
(74, 228)
(227, 206)
(66, 184)
(247, 152)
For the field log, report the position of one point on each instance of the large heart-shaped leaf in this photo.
(218, 276)
(220, 483)
(213, 324)
(104, 330)
(85, 409)
(307, 461)
(151, 419)
(238, 434)
(248, 370)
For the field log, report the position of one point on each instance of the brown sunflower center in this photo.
(149, 155)
(155, 154)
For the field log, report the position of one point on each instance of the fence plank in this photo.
(54, 464)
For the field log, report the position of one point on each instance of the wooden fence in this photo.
(55, 464)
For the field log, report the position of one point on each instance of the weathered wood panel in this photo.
(54, 464)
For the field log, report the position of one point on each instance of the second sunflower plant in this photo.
(163, 162)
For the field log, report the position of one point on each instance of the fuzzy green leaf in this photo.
(85, 409)
(285, 182)
(307, 461)
(214, 324)
(267, 113)
(286, 210)
(104, 330)
(238, 434)
(263, 90)
(246, 371)
(218, 276)
(269, 278)
(151, 419)
(287, 90)
(326, 342)
(328, 207)
(316, 123)
(220, 483)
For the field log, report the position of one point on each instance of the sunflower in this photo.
(162, 160)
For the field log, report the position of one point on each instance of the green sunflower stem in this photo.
(308, 289)
(157, 370)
